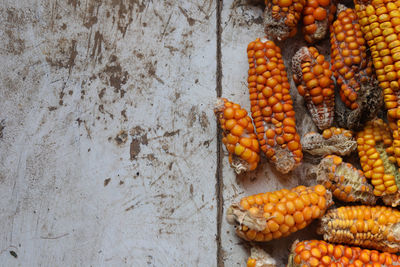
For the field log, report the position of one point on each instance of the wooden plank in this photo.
(242, 23)
(108, 137)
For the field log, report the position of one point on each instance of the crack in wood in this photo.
(218, 175)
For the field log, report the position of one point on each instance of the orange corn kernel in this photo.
(272, 215)
(313, 78)
(321, 253)
(239, 137)
(346, 183)
(367, 226)
(272, 105)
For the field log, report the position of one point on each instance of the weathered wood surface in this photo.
(108, 143)
(108, 140)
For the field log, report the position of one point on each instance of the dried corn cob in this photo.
(380, 23)
(238, 135)
(332, 141)
(349, 57)
(375, 227)
(272, 215)
(313, 78)
(260, 258)
(352, 69)
(272, 105)
(346, 183)
(317, 16)
(320, 253)
(281, 18)
(375, 149)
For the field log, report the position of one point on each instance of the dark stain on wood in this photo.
(102, 92)
(189, 19)
(121, 137)
(107, 181)
(134, 149)
(169, 134)
(13, 253)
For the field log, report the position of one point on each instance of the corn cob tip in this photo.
(260, 258)
(285, 162)
(340, 8)
(346, 183)
(392, 199)
(275, 29)
(219, 105)
(236, 215)
(336, 141)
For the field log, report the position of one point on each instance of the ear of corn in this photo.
(238, 136)
(346, 183)
(272, 215)
(352, 68)
(260, 258)
(313, 78)
(375, 227)
(317, 16)
(375, 149)
(380, 23)
(272, 105)
(332, 141)
(349, 58)
(317, 253)
(281, 18)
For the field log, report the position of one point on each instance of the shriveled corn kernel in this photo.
(375, 160)
(317, 16)
(281, 17)
(347, 183)
(366, 226)
(337, 255)
(238, 135)
(333, 140)
(272, 108)
(319, 91)
(273, 216)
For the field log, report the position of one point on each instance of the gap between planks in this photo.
(218, 174)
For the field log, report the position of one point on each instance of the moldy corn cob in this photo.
(260, 258)
(346, 183)
(380, 23)
(352, 68)
(375, 227)
(272, 215)
(375, 149)
(238, 135)
(333, 140)
(320, 253)
(313, 78)
(272, 105)
(281, 18)
(317, 16)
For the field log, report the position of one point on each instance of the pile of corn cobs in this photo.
(363, 73)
